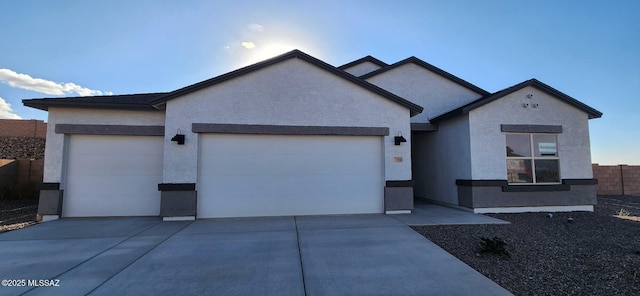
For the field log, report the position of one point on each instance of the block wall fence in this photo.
(21, 177)
(23, 128)
(617, 179)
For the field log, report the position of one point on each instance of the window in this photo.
(532, 158)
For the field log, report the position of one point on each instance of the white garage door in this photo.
(113, 176)
(266, 175)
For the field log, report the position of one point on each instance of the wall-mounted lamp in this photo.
(399, 139)
(179, 137)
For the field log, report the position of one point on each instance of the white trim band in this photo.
(398, 212)
(582, 208)
(47, 218)
(179, 218)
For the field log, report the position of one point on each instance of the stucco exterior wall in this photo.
(440, 158)
(362, 68)
(55, 146)
(292, 92)
(435, 93)
(488, 142)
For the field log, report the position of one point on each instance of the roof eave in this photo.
(591, 112)
(364, 60)
(431, 68)
(415, 109)
(45, 106)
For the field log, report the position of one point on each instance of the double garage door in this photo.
(238, 175)
(269, 175)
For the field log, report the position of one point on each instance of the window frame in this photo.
(532, 158)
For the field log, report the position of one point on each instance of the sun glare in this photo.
(271, 50)
(259, 42)
(267, 49)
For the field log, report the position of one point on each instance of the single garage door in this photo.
(267, 175)
(113, 176)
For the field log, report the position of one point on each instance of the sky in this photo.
(589, 50)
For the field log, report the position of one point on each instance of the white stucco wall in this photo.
(292, 92)
(440, 158)
(488, 142)
(55, 146)
(430, 90)
(362, 68)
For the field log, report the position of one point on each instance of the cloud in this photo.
(256, 27)
(27, 82)
(248, 44)
(6, 112)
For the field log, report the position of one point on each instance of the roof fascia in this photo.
(415, 109)
(82, 102)
(359, 61)
(431, 68)
(87, 105)
(593, 113)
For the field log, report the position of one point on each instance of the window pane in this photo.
(518, 145)
(545, 145)
(547, 171)
(519, 171)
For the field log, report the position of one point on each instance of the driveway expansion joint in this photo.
(143, 254)
(304, 287)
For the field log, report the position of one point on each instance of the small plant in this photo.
(495, 246)
(623, 213)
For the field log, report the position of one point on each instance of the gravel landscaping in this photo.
(21, 148)
(17, 213)
(578, 253)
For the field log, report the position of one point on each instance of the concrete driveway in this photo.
(308, 255)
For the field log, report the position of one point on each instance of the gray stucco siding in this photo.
(432, 91)
(293, 93)
(440, 158)
(55, 148)
(495, 196)
(488, 140)
(362, 68)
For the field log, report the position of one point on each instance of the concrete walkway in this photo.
(308, 255)
(425, 213)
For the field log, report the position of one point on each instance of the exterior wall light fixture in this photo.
(399, 139)
(179, 137)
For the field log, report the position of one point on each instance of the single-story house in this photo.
(293, 135)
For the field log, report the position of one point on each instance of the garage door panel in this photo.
(114, 185)
(250, 175)
(117, 145)
(113, 176)
(104, 205)
(290, 185)
(293, 164)
(96, 165)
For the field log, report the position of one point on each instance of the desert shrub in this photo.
(494, 246)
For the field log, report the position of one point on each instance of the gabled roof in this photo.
(155, 101)
(126, 102)
(593, 113)
(415, 109)
(368, 58)
(429, 67)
